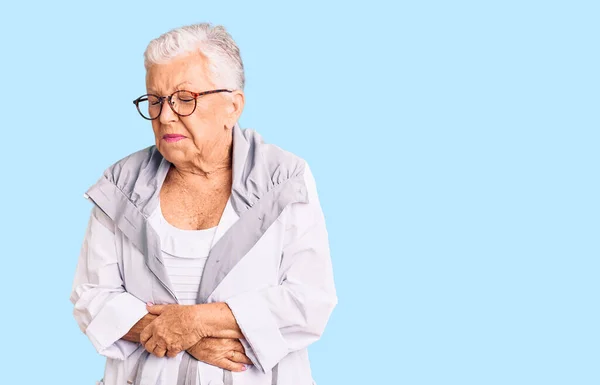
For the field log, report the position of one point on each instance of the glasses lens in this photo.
(149, 106)
(184, 102)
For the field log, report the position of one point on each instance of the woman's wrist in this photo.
(133, 334)
(194, 349)
(202, 320)
(216, 320)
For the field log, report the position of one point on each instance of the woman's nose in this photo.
(167, 115)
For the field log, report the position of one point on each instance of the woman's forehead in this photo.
(190, 71)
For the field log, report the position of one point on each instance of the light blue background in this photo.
(454, 144)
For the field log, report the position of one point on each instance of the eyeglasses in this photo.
(183, 103)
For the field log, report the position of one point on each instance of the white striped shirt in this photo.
(184, 254)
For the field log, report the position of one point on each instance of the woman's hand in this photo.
(226, 353)
(133, 334)
(176, 328)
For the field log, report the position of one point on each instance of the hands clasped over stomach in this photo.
(179, 327)
(176, 328)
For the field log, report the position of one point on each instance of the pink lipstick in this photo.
(171, 138)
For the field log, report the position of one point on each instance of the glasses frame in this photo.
(169, 98)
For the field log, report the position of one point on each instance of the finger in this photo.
(159, 351)
(240, 358)
(150, 345)
(174, 349)
(172, 353)
(230, 365)
(237, 346)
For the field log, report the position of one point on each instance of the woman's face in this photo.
(205, 131)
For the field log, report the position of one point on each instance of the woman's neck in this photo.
(212, 163)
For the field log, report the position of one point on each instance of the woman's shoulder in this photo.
(144, 160)
(279, 163)
(134, 171)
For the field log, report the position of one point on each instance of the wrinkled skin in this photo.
(177, 328)
(225, 353)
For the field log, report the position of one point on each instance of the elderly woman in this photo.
(206, 258)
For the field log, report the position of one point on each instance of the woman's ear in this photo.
(235, 107)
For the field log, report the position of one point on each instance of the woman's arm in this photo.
(103, 309)
(288, 317)
(218, 321)
(225, 353)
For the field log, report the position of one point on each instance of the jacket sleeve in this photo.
(281, 319)
(103, 309)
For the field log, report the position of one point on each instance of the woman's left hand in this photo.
(177, 328)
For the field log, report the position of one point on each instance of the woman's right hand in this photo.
(225, 353)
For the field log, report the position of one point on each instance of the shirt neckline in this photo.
(179, 242)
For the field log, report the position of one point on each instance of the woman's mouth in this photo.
(170, 138)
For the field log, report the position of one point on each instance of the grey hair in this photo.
(225, 62)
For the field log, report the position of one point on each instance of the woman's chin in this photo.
(171, 151)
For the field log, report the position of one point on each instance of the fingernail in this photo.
(149, 304)
(244, 368)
